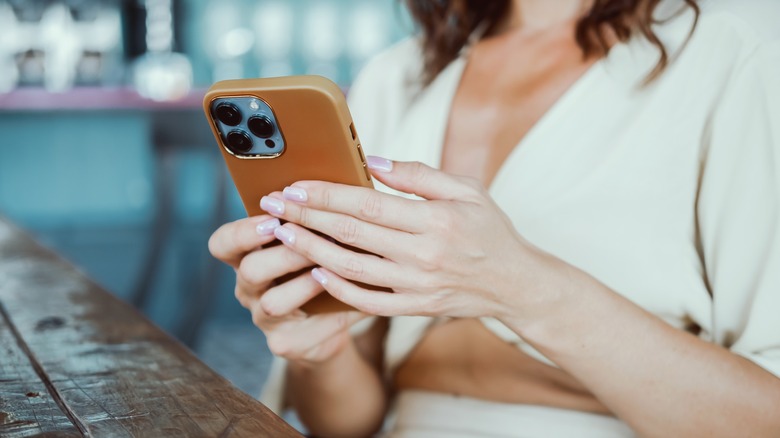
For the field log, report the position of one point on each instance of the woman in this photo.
(598, 255)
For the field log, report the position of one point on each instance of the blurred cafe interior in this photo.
(106, 157)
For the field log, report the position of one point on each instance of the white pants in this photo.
(434, 415)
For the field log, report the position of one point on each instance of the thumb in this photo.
(418, 179)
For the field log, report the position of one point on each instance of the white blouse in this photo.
(669, 193)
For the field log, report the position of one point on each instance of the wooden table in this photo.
(76, 361)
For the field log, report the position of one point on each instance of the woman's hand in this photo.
(276, 308)
(453, 254)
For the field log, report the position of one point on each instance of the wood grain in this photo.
(76, 361)
(26, 407)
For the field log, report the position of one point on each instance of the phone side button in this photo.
(362, 157)
(363, 161)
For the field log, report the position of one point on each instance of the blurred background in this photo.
(106, 157)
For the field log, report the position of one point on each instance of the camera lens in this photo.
(261, 126)
(239, 142)
(228, 114)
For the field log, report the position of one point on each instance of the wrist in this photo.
(552, 295)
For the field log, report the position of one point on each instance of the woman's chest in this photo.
(495, 107)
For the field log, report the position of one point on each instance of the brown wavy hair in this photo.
(446, 26)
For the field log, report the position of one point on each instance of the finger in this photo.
(235, 239)
(349, 230)
(292, 339)
(365, 268)
(268, 323)
(363, 203)
(367, 301)
(288, 297)
(244, 298)
(259, 268)
(262, 319)
(421, 180)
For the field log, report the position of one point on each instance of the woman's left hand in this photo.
(455, 253)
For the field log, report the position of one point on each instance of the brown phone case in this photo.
(321, 143)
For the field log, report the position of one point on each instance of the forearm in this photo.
(342, 397)
(660, 380)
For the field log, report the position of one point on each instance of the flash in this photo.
(254, 105)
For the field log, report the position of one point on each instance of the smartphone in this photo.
(276, 131)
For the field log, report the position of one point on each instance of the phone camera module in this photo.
(239, 142)
(228, 114)
(261, 126)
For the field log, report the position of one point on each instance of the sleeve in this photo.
(739, 210)
(272, 394)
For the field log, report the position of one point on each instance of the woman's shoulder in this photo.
(753, 22)
(404, 58)
(385, 88)
(744, 36)
(723, 32)
(740, 27)
(394, 72)
(709, 55)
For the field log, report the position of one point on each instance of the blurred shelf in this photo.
(92, 99)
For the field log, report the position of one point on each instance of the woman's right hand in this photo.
(275, 308)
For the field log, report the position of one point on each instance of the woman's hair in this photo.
(446, 26)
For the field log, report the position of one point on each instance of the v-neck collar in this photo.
(444, 89)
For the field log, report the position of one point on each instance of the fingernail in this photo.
(319, 277)
(285, 235)
(295, 194)
(272, 205)
(379, 164)
(266, 228)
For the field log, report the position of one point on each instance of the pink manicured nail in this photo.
(272, 205)
(319, 276)
(295, 194)
(285, 235)
(379, 164)
(266, 228)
